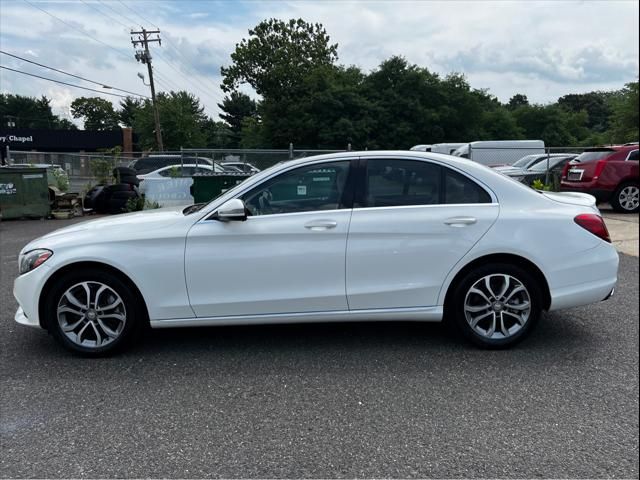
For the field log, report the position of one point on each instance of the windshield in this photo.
(592, 155)
(524, 161)
(463, 151)
(542, 165)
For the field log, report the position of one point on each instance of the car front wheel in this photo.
(496, 306)
(93, 313)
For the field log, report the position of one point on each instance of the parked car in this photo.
(608, 173)
(420, 148)
(526, 162)
(186, 170)
(151, 163)
(537, 169)
(241, 166)
(446, 148)
(348, 236)
(171, 185)
(502, 152)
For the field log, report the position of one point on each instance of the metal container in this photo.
(24, 193)
(206, 187)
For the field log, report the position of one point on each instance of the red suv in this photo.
(608, 173)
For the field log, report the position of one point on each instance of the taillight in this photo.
(594, 224)
(599, 168)
(565, 170)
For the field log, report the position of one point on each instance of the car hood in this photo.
(122, 227)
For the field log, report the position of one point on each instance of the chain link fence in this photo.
(87, 169)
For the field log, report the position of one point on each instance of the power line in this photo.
(105, 14)
(63, 83)
(78, 29)
(202, 86)
(203, 92)
(71, 74)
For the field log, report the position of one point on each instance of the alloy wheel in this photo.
(629, 197)
(91, 314)
(497, 306)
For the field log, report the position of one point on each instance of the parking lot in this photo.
(344, 400)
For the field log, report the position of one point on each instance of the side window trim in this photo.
(629, 156)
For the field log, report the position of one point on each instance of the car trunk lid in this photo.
(572, 198)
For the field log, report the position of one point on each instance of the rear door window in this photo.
(460, 189)
(633, 155)
(392, 183)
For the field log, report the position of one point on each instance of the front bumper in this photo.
(26, 290)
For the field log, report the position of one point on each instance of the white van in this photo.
(421, 148)
(446, 148)
(501, 152)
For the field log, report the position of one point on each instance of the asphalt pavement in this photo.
(343, 400)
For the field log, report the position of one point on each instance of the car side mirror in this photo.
(233, 209)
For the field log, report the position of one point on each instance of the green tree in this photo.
(277, 55)
(624, 118)
(182, 120)
(97, 113)
(236, 107)
(30, 112)
(129, 107)
(518, 100)
(597, 105)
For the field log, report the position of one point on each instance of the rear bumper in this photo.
(591, 279)
(586, 187)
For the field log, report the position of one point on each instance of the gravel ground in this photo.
(350, 400)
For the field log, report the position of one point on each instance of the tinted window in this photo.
(554, 162)
(460, 189)
(392, 183)
(633, 155)
(310, 188)
(592, 155)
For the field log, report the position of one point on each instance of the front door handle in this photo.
(460, 221)
(317, 225)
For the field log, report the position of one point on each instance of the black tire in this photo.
(118, 187)
(123, 195)
(130, 180)
(124, 171)
(456, 305)
(134, 312)
(91, 195)
(618, 199)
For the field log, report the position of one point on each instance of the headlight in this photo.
(34, 259)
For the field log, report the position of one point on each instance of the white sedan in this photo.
(356, 236)
(171, 185)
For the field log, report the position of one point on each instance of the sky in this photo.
(543, 49)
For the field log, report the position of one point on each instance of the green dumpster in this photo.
(24, 192)
(207, 186)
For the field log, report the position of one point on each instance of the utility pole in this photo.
(144, 56)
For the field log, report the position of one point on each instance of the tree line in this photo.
(306, 97)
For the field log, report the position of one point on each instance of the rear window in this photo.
(590, 156)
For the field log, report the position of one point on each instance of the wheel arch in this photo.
(88, 265)
(510, 258)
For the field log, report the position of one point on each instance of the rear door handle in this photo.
(317, 225)
(460, 221)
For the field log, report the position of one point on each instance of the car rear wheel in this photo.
(626, 198)
(92, 313)
(496, 306)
